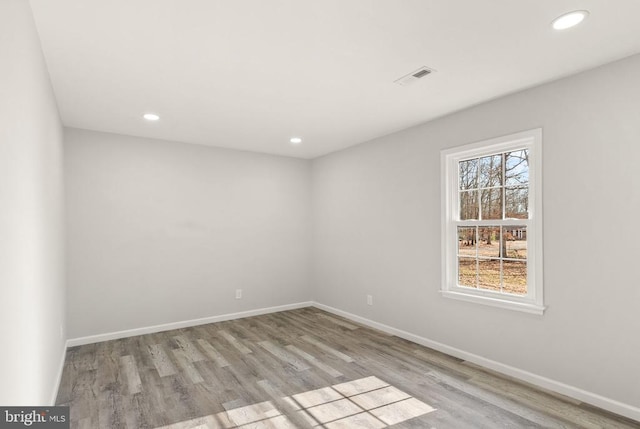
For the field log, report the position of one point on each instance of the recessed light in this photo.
(569, 19)
(151, 116)
(295, 140)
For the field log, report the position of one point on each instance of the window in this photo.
(492, 222)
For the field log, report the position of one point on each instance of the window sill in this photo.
(495, 302)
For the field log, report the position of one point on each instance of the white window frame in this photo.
(533, 302)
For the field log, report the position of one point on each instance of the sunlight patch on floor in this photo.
(365, 403)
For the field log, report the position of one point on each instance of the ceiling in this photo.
(250, 74)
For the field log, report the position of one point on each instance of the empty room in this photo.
(319, 214)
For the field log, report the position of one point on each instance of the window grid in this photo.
(501, 257)
(501, 185)
(499, 267)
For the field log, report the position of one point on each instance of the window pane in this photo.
(515, 242)
(468, 174)
(489, 241)
(516, 205)
(514, 277)
(467, 272)
(467, 241)
(489, 274)
(490, 171)
(517, 168)
(491, 203)
(491, 223)
(468, 205)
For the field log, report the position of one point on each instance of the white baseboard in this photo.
(56, 386)
(594, 399)
(181, 324)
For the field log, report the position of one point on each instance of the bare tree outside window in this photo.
(494, 187)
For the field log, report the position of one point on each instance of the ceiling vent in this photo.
(414, 76)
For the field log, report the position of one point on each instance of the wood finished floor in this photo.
(298, 369)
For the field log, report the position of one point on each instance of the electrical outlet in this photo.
(238, 293)
(369, 300)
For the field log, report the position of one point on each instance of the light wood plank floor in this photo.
(298, 369)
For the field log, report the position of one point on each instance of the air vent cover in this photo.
(414, 76)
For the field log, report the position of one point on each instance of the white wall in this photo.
(32, 291)
(377, 231)
(162, 232)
